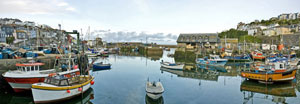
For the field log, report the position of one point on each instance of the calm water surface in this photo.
(125, 84)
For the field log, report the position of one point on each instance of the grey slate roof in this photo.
(198, 38)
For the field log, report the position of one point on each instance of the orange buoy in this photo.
(68, 91)
(92, 82)
(52, 74)
(80, 89)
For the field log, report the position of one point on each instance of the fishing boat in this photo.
(277, 72)
(101, 66)
(257, 55)
(154, 89)
(212, 60)
(60, 88)
(238, 58)
(29, 73)
(171, 65)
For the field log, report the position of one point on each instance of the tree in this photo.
(10, 40)
(232, 33)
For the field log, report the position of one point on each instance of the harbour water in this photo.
(125, 83)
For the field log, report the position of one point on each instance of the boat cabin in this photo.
(276, 67)
(214, 57)
(60, 80)
(26, 67)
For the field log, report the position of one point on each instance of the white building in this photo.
(29, 23)
(269, 32)
(252, 32)
(293, 16)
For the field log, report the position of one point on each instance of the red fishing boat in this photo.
(29, 73)
(258, 55)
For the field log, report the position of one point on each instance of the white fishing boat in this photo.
(59, 88)
(172, 65)
(29, 73)
(154, 89)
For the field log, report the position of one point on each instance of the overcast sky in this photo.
(140, 18)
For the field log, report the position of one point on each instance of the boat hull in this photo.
(178, 67)
(154, 96)
(42, 94)
(50, 96)
(212, 62)
(259, 57)
(23, 84)
(97, 67)
(20, 84)
(270, 77)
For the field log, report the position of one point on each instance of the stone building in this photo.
(196, 40)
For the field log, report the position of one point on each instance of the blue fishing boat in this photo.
(239, 58)
(212, 60)
(101, 66)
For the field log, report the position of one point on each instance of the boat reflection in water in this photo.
(27, 98)
(279, 91)
(195, 74)
(149, 100)
(83, 99)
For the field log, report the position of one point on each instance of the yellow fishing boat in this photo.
(273, 73)
(59, 88)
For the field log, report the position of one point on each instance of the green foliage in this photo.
(232, 33)
(249, 39)
(10, 40)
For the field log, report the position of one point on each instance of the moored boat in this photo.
(257, 55)
(271, 73)
(29, 73)
(154, 89)
(238, 58)
(59, 88)
(101, 66)
(172, 65)
(212, 60)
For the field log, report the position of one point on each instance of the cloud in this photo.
(125, 36)
(70, 9)
(62, 4)
(35, 6)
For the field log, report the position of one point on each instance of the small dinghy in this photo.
(171, 65)
(154, 90)
(101, 66)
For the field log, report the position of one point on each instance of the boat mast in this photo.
(244, 44)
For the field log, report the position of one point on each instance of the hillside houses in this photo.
(27, 31)
(263, 28)
(289, 16)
